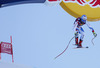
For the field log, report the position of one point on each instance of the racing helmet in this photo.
(83, 18)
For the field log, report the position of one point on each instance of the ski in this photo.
(80, 47)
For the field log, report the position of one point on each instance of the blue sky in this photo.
(42, 32)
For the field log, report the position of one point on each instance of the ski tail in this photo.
(65, 48)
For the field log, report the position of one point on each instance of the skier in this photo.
(79, 22)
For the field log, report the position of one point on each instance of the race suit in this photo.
(79, 30)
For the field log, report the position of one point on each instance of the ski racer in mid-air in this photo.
(79, 22)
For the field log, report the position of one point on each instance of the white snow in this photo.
(11, 65)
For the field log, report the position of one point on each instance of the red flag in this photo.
(0, 47)
(0, 51)
(6, 48)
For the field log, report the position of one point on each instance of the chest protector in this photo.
(80, 22)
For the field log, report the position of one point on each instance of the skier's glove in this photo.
(94, 34)
(76, 33)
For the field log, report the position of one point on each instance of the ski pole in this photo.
(65, 48)
(92, 40)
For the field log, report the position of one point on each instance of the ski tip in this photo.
(87, 47)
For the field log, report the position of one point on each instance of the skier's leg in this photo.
(76, 36)
(82, 36)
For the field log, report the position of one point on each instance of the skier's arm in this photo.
(91, 29)
(75, 25)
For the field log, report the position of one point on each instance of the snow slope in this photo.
(11, 65)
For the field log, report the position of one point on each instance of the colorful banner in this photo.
(77, 8)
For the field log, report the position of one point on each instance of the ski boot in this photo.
(80, 44)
